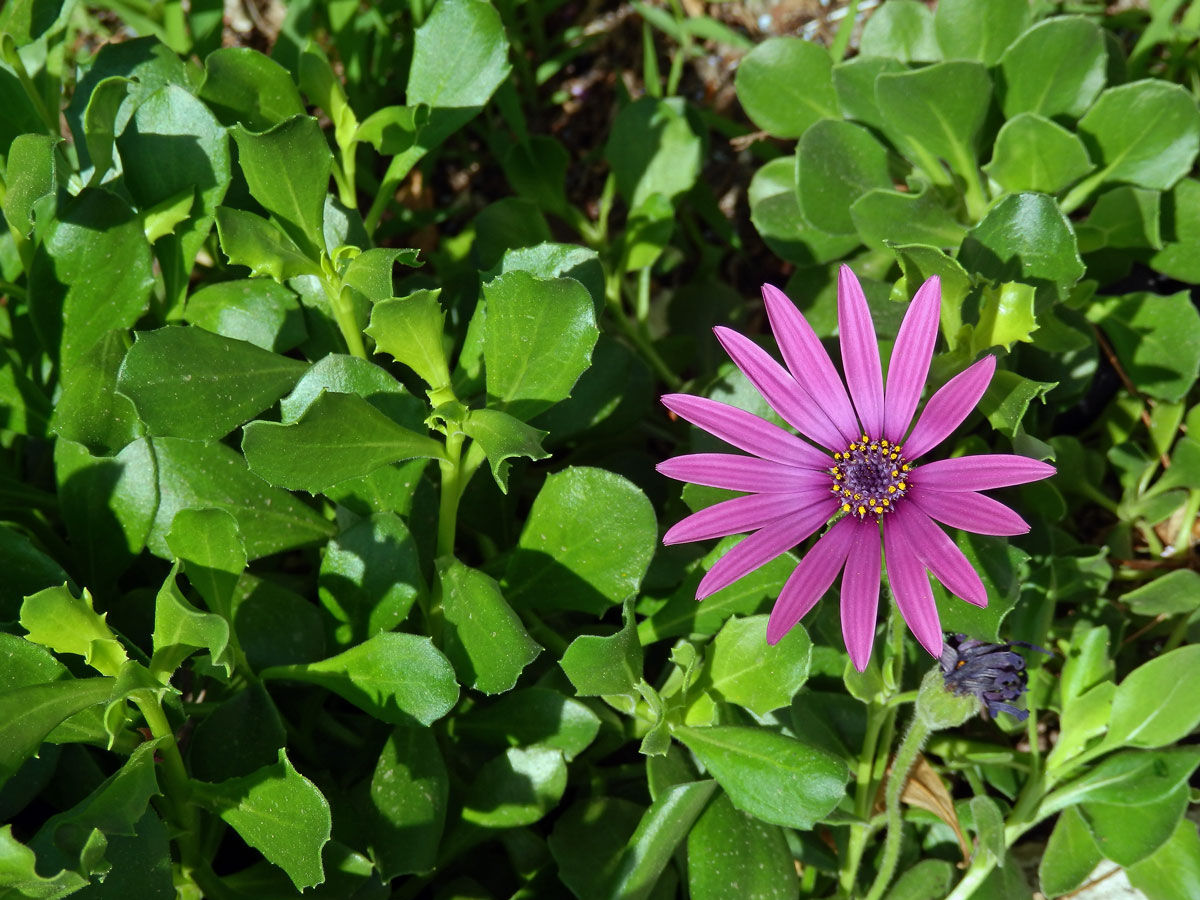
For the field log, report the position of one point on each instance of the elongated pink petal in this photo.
(809, 363)
(786, 397)
(968, 511)
(910, 359)
(941, 556)
(746, 431)
(810, 579)
(742, 473)
(910, 585)
(981, 473)
(764, 545)
(741, 514)
(949, 406)
(860, 353)
(860, 593)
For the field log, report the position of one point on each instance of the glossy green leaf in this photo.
(562, 561)
(1175, 593)
(322, 86)
(370, 272)
(732, 853)
(276, 626)
(785, 85)
(278, 812)
(1130, 778)
(600, 665)
(919, 262)
(999, 566)
(588, 840)
(410, 330)
(99, 123)
(251, 241)
(397, 678)
(1006, 315)
(1125, 217)
(90, 274)
(929, 879)
(1084, 718)
(885, 216)
(409, 793)
(774, 778)
(18, 864)
(533, 717)
(243, 86)
(1157, 339)
(1180, 256)
(516, 788)
(1008, 397)
(653, 149)
(259, 312)
(180, 630)
(485, 640)
(341, 374)
(1154, 704)
(1026, 238)
(191, 383)
(287, 170)
(1129, 834)
(549, 260)
(502, 438)
(29, 176)
(370, 577)
(241, 735)
(903, 29)
(1032, 153)
(838, 163)
(340, 436)
(854, 81)
(1173, 871)
(57, 619)
(1056, 68)
(32, 712)
(775, 212)
(90, 411)
(748, 672)
(979, 31)
(1071, 855)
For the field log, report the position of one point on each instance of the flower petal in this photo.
(981, 473)
(764, 545)
(939, 554)
(809, 363)
(968, 511)
(810, 579)
(947, 408)
(860, 352)
(910, 359)
(860, 593)
(786, 397)
(741, 514)
(746, 431)
(910, 585)
(742, 473)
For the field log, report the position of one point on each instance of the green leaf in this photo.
(775, 212)
(884, 216)
(653, 149)
(340, 436)
(1156, 338)
(663, 828)
(548, 260)
(918, 262)
(55, 618)
(259, 312)
(1084, 718)
(191, 383)
(29, 570)
(287, 170)
(745, 671)
(276, 626)
(538, 340)
(251, 241)
(1087, 664)
(90, 274)
(785, 85)
(854, 81)
(563, 562)
(410, 329)
(18, 866)
(90, 411)
(408, 794)
(989, 826)
(323, 88)
(774, 778)
(341, 374)
(31, 712)
(516, 788)
(164, 217)
(929, 879)
(394, 130)
(241, 735)
(1032, 153)
(370, 577)
(1175, 593)
(370, 273)
(501, 438)
(1006, 315)
(99, 123)
(733, 854)
(1071, 855)
(1180, 256)
(279, 813)
(1129, 834)
(838, 163)
(604, 665)
(1056, 68)
(537, 171)
(1154, 705)
(397, 678)
(903, 29)
(30, 176)
(1146, 133)
(1026, 238)
(938, 112)
(1130, 778)
(1007, 399)
(1173, 871)
(533, 717)
(1125, 217)
(980, 31)
(999, 566)
(588, 840)
(180, 630)
(485, 640)
(243, 86)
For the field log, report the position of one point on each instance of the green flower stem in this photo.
(452, 481)
(175, 779)
(841, 41)
(1183, 537)
(877, 715)
(914, 740)
(974, 195)
(343, 312)
(397, 171)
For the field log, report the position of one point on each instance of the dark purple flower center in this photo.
(870, 476)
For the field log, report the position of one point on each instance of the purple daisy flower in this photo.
(859, 462)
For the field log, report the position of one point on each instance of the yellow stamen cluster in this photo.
(870, 476)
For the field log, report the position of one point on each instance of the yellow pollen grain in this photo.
(837, 456)
(865, 438)
(862, 510)
(886, 502)
(877, 509)
(904, 467)
(858, 496)
(891, 489)
(845, 507)
(893, 456)
(902, 486)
